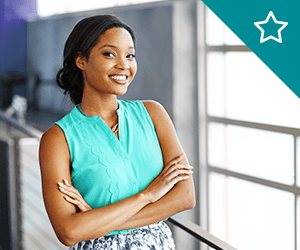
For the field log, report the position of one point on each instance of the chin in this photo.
(122, 91)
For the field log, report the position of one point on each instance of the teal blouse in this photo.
(106, 169)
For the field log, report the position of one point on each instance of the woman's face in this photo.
(111, 65)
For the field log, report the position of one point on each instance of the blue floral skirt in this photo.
(153, 237)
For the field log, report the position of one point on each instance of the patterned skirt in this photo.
(153, 237)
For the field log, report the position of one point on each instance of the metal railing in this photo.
(199, 233)
(18, 131)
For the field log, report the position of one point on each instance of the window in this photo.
(253, 144)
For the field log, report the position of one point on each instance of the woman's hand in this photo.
(173, 172)
(73, 196)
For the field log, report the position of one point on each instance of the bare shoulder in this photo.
(53, 136)
(161, 120)
(156, 111)
(152, 105)
(53, 146)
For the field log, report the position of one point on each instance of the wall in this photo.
(13, 38)
(13, 16)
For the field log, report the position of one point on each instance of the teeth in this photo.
(118, 78)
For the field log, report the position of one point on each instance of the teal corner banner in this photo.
(271, 29)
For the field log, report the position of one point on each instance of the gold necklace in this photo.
(115, 128)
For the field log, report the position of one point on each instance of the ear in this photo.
(80, 61)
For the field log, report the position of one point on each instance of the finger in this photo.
(70, 193)
(73, 201)
(69, 188)
(69, 199)
(82, 207)
(178, 179)
(174, 161)
(176, 167)
(180, 173)
(66, 182)
(184, 166)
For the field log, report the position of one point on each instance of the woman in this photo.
(123, 158)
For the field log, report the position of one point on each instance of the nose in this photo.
(122, 63)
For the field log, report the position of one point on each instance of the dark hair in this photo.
(83, 38)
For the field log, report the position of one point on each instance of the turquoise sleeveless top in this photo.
(106, 169)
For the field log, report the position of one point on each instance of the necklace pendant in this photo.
(115, 128)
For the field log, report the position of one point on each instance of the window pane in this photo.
(216, 84)
(259, 153)
(214, 29)
(218, 214)
(251, 91)
(217, 33)
(256, 217)
(298, 223)
(217, 145)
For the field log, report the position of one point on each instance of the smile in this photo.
(119, 77)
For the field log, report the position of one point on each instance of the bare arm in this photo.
(71, 226)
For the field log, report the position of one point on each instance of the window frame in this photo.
(205, 119)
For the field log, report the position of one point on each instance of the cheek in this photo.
(134, 69)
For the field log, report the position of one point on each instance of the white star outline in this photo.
(262, 39)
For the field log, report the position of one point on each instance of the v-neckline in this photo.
(105, 127)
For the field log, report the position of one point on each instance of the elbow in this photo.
(66, 237)
(190, 202)
(66, 240)
(71, 235)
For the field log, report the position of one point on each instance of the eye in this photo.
(131, 56)
(109, 54)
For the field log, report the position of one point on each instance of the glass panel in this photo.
(215, 84)
(231, 38)
(255, 93)
(251, 92)
(256, 217)
(259, 153)
(183, 240)
(216, 145)
(298, 223)
(214, 29)
(264, 154)
(217, 33)
(218, 218)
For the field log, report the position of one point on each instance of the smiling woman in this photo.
(112, 170)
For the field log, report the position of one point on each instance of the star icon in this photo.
(282, 24)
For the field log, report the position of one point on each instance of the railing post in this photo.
(9, 205)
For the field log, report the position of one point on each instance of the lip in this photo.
(120, 81)
(119, 74)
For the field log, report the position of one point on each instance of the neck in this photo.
(104, 106)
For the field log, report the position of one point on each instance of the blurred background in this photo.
(237, 122)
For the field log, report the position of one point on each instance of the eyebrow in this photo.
(115, 47)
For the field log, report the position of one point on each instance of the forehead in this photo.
(115, 36)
